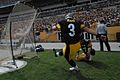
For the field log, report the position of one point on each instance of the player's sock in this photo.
(90, 58)
(56, 53)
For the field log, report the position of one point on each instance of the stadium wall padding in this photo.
(54, 37)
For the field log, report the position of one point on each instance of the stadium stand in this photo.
(89, 11)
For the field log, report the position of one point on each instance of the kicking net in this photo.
(17, 36)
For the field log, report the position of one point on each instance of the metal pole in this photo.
(13, 57)
(34, 35)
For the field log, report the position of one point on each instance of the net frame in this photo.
(8, 30)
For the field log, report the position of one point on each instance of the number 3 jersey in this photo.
(70, 31)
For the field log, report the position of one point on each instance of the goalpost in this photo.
(17, 37)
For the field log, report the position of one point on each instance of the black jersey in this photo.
(70, 31)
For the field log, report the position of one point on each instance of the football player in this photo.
(70, 35)
(88, 51)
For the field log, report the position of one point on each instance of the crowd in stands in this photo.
(90, 18)
(111, 16)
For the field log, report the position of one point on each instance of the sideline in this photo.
(115, 46)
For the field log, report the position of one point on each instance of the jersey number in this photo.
(72, 30)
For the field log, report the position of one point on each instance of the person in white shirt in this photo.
(102, 32)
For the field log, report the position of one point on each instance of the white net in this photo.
(19, 27)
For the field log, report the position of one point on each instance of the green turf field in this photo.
(105, 66)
